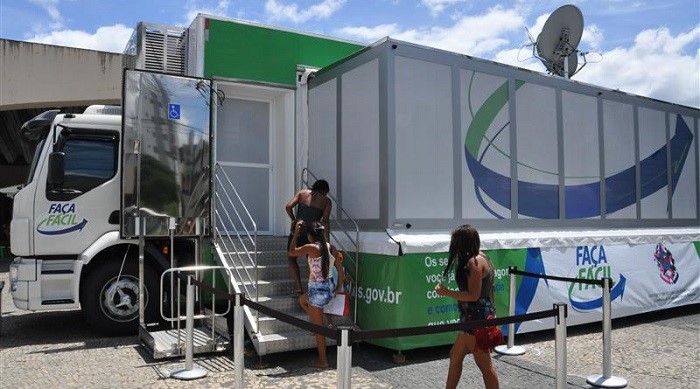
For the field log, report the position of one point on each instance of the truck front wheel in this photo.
(110, 303)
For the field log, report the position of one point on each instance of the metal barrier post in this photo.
(510, 348)
(560, 345)
(344, 372)
(190, 372)
(607, 380)
(2, 286)
(238, 331)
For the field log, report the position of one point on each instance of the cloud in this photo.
(369, 34)
(658, 65)
(592, 37)
(474, 35)
(110, 38)
(436, 7)
(625, 8)
(291, 12)
(521, 58)
(193, 8)
(51, 7)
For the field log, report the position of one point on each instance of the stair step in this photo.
(286, 304)
(287, 341)
(264, 243)
(275, 288)
(274, 273)
(275, 257)
(270, 325)
(269, 243)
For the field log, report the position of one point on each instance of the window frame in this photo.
(68, 134)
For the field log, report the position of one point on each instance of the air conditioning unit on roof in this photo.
(156, 47)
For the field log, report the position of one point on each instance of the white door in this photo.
(89, 195)
(244, 139)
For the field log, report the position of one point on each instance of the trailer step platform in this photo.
(171, 343)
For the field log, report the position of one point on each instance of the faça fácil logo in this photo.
(61, 218)
(592, 264)
(589, 261)
(61, 215)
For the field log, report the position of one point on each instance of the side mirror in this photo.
(57, 169)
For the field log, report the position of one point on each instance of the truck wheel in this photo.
(111, 306)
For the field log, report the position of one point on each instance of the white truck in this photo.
(65, 225)
(74, 233)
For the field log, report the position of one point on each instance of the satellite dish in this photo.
(559, 39)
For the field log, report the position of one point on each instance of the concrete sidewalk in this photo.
(57, 349)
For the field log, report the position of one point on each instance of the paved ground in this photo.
(57, 350)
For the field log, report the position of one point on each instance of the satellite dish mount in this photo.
(557, 44)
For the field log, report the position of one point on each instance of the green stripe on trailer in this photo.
(249, 52)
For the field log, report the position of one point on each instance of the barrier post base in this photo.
(600, 381)
(398, 358)
(189, 374)
(505, 350)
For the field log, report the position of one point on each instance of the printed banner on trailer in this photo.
(398, 292)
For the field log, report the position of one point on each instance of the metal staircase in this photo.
(258, 268)
(275, 287)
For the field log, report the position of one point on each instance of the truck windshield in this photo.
(35, 160)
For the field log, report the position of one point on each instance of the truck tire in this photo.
(112, 307)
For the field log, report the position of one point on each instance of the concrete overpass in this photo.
(36, 77)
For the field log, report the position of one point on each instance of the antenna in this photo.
(530, 46)
(559, 39)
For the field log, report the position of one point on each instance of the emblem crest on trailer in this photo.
(666, 264)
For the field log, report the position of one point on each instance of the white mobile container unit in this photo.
(560, 177)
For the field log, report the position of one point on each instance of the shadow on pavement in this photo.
(54, 327)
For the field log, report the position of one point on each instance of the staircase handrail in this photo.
(246, 257)
(356, 259)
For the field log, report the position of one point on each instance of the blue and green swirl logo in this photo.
(582, 200)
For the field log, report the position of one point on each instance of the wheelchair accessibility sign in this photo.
(174, 111)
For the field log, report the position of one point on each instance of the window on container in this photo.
(537, 145)
(581, 156)
(653, 164)
(486, 158)
(620, 168)
(683, 173)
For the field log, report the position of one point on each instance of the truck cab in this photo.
(65, 225)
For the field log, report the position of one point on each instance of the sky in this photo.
(645, 47)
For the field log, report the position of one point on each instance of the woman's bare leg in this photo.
(304, 302)
(316, 314)
(484, 363)
(457, 353)
(294, 269)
